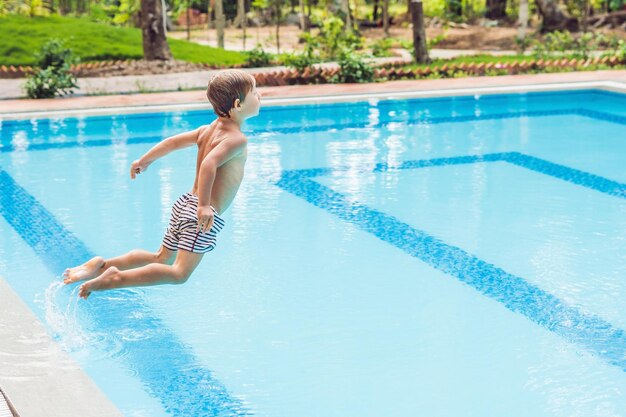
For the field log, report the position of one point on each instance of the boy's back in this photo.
(211, 138)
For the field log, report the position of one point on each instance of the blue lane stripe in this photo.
(456, 160)
(415, 120)
(593, 333)
(575, 176)
(86, 144)
(607, 117)
(165, 365)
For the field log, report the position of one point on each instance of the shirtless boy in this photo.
(196, 215)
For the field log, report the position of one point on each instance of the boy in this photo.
(196, 215)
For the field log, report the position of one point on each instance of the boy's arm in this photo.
(162, 148)
(218, 156)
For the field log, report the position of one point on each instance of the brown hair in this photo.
(227, 86)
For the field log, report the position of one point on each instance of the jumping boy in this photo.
(196, 215)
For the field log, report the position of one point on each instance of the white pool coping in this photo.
(614, 86)
(37, 376)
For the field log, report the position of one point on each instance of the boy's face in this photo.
(251, 103)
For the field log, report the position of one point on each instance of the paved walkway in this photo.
(13, 88)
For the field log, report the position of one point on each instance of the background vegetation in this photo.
(23, 36)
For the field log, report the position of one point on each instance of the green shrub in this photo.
(353, 69)
(52, 76)
(406, 44)
(54, 54)
(332, 38)
(620, 51)
(586, 43)
(49, 82)
(617, 48)
(381, 48)
(257, 57)
(559, 44)
(433, 42)
(300, 61)
(616, 4)
(523, 44)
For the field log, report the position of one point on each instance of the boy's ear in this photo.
(237, 104)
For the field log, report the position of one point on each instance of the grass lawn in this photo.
(22, 37)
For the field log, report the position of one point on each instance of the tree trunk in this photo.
(188, 22)
(375, 12)
(496, 9)
(241, 11)
(209, 21)
(50, 6)
(585, 15)
(553, 18)
(419, 32)
(164, 16)
(351, 17)
(155, 45)
(81, 7)
(386, 17)
(345, 8)
(303, 21)
(455, 7)
(64, 7)
(239, 15)
(523, 20)
(277, 13)
(220, 22)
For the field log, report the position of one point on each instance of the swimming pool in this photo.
(458, 256)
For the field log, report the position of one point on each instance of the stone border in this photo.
(39, 377)
(397, 70)
(391, 70)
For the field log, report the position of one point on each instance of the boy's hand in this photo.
(137, 167)
(205, 219)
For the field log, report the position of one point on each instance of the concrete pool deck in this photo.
(37, 376)
(36, 373)
(301, 94)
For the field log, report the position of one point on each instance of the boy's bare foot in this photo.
(96, 284)
(90, 269)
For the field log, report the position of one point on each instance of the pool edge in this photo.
(40, 378)
(614, 81)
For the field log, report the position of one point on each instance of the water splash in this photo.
(60, 307)
(72, 324)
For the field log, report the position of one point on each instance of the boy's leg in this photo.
(133, 259)
(151, 274)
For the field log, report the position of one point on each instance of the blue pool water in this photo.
(445, 257)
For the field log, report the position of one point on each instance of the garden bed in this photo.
(400, 70)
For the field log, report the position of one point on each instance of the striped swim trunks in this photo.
(182, 229)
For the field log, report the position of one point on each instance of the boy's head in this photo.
(233, 94)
